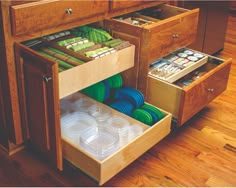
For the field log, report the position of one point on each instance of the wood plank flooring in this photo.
(201, 153)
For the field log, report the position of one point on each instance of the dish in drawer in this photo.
(176, 65)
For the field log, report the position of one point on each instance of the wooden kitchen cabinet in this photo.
(42, 108)
(41, 87)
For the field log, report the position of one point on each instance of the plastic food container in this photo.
(64, 107)
(72, 125)
(134, 131)
(99, 142)
(84, 105)
(101, 113)
(120, 125)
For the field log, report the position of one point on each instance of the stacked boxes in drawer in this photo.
(176, 65)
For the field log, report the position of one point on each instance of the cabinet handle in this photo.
(175, 36)
(210, 90)
(69, 11)
(47, 79)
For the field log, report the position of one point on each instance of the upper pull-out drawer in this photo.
(88, 70)
(40, 15)
(161, 29)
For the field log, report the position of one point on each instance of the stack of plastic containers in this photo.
(73, 124)
(93, 127)
(99, 142)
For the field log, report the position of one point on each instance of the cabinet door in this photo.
(40, 92)
(3, 132)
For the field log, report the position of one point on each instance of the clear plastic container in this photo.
(99, 142)
(134, 131)
(101, 113)
(83, 105)
(72, 125)
(119, 125)
(64, 107)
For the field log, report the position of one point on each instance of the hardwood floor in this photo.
(201, 153)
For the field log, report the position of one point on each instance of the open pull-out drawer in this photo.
(191, 92)
(103, 170)
(83, 75)
(160, 30)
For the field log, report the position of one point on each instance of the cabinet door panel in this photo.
(3, 133)
(42, 106)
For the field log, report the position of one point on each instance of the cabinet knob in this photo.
(47, 79)
(210, 90)
(175, 36)
(69, 11)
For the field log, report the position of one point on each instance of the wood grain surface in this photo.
(201, 153)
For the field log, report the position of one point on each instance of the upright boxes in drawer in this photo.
(160, 29)
(99, 61)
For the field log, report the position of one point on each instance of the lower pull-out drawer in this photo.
(189, 94)
(103, 170)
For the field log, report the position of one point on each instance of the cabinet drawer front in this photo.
(173, 34)
(44, 14)
(102, 171)
(198, 96)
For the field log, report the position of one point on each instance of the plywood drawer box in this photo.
(189, 94)
(103, 170)
(166, 29)
(41, 15)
